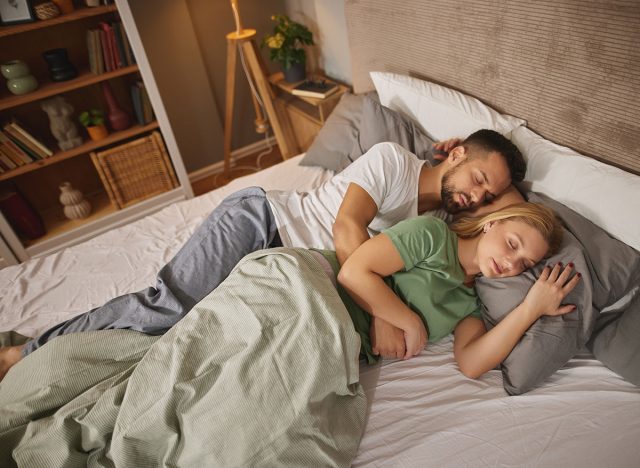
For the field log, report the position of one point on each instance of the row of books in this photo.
(141, 103)
(109, 48)
(19, 147)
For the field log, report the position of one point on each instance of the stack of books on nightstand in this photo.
(315, 89)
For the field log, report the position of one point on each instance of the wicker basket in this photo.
(136, 170)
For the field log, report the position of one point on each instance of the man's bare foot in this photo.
(9, 356)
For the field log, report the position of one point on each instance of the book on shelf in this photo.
(319, 89)
(141, 103)
(7, 163)
(14, 151)
(26, 141)
(108, 48)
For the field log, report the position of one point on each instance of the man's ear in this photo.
(457, 155)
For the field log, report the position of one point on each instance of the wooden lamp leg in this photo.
(288, 147)
(230, 92)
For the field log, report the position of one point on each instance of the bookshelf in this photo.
(38, 181)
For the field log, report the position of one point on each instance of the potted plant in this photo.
(285, 46)
(93, 121)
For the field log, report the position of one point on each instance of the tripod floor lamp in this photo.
(243, 41)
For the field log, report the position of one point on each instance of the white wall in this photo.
(327, 21)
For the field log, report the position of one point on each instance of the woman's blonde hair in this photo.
(541, 218)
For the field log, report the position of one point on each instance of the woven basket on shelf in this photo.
(135, 171)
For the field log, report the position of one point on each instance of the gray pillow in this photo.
(610, 269)
(336, 138)
(379, 124)
(356, 124)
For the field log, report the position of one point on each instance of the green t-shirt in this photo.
(431, 284)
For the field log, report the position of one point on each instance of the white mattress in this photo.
(423, 412)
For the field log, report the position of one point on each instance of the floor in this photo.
(244, 166)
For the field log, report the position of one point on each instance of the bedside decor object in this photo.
(285, 46)
(92, 3)
(118, 119)
(16, 11)
(65, 6)
(19, 79)
(135, 171)
(75, 206)
(62, 128)
(21, 215)
(93, 121)
(47, 10)
(243, 41)
(60, 68)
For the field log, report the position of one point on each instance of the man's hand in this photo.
(443, 147)
(415, 337)
(386, 340)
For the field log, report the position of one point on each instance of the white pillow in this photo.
(606, 195)
(442, 112)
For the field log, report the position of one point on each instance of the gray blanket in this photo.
(262, 372)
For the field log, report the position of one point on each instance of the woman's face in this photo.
(507, 248)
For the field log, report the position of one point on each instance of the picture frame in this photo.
(16, 12)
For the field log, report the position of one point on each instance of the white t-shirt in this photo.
(388, 172)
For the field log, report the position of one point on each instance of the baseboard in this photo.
(236, 155)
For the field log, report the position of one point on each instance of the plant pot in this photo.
(295, 73)
(97, 132)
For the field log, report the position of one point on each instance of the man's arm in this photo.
(354, 216)
(349, 232)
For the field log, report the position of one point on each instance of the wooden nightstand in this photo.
(305, 115)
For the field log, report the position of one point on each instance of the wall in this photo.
(186, 46)
(327, 21)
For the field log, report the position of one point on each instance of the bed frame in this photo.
(571, 68)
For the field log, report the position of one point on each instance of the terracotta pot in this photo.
(97, 132)
(65, 6)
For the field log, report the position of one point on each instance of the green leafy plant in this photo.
(91, 118)
(285, 44)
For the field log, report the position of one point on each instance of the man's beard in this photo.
(448, 191)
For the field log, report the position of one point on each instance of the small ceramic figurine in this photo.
(62, 127)
(75, 206)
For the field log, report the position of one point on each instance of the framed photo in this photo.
(16, 11)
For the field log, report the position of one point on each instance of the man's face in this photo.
(473, 182)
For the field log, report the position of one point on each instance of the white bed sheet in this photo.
(423, 412)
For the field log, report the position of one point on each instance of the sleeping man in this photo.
(384, 186)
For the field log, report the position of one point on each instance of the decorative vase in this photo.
(19, 80)
(65, 6)
(75, 206)
(118, 119)
(60, 69)
(62, 127)
(97, 132)
(295, 73)
(21, 215)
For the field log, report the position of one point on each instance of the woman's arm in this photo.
(478, 351)
(362, 276)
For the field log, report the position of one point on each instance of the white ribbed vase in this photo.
(75, 206)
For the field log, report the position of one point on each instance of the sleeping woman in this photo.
(418, 276)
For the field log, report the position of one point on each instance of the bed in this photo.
(420, 412)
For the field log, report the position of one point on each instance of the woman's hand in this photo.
(415, 337)
(547, 293)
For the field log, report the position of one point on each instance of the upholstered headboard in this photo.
(571, 68)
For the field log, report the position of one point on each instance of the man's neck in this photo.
(429, 188)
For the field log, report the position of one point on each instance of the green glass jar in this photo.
(19, 79)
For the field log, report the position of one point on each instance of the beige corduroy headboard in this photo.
(571, 68)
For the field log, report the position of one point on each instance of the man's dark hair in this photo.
(488, 141)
